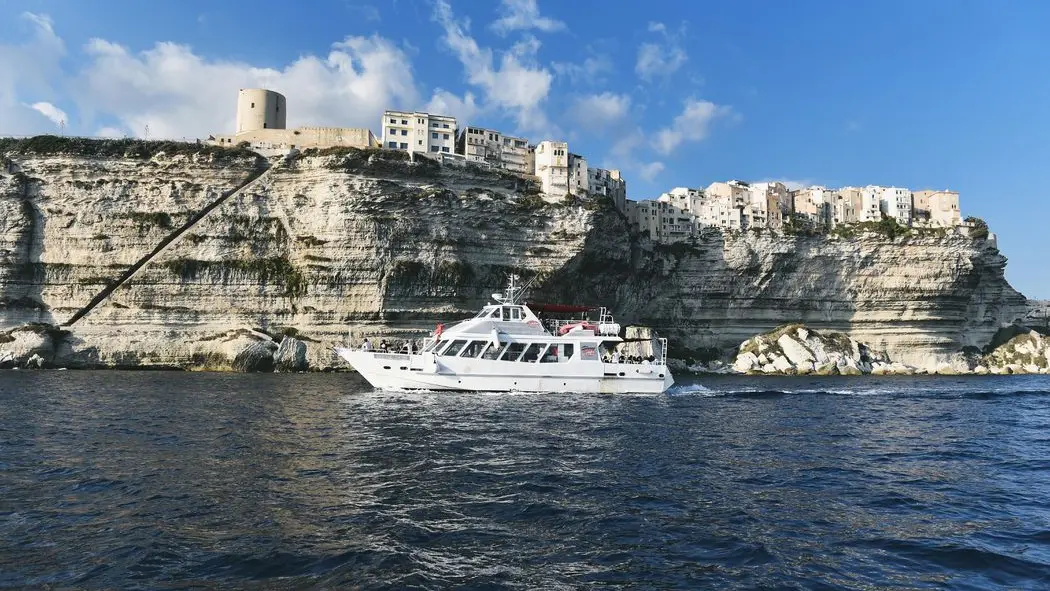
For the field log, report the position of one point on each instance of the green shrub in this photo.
(978, 228)
(116, 148)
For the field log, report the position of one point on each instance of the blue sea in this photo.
(156, 480)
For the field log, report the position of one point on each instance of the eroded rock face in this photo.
(1028, 352)
(343, 247)
(798, 350)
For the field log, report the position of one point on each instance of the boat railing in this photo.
(662, 359)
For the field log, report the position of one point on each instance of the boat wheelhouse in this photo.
(506, 346)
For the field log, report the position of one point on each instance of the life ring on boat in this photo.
(570, 327)
(535, 323)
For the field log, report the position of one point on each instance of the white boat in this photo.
(506, 347)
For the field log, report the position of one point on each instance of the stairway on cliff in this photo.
(257, 176)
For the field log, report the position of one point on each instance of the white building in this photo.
(778, 201)
(579, 180)
(660, 221)
(491, 147)
(608, 183)
(870, 204)
(936, 208)
(895, 202)
(552, 166)
(419, 132)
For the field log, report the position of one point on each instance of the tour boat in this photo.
(506, 347)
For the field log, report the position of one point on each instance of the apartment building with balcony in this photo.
(414, 131)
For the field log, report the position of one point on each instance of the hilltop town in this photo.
(677, 215)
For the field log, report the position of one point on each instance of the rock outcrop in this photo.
(798, 350)
(1028, 352)
(347, 244)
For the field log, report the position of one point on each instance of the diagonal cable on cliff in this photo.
(256, 176)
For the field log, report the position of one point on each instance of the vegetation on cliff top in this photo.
(45, 145)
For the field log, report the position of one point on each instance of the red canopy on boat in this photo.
(563, 308)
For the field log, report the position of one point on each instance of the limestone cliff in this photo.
(326, 246)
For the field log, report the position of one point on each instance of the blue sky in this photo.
(931, 94)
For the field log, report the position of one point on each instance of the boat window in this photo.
(494, 313)
(473, 349)
(588, 351)
(550, 355)
(515, 313)
(432, 345)
(454, 348)
(566, 352)
(512, 352)
(533, 352)
(493, 351)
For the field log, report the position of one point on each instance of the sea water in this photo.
(162, 480)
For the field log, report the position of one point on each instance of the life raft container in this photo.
(576, 325)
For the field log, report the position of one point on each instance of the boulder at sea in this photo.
(794, 349)
(255, 357)
(1028, 352)
(291, 355)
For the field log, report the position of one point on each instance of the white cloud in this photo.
(177, 93)
(517, 85)
(590, 71)
(660, 59)
(56, 115)
(27, 70)
(463, 109)
(691, 125)
(522, 15)
(598, 112)
(112, 132)
(650, 170)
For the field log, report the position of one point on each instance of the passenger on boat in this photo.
(383, 346)
(367, 345)
(616, 357)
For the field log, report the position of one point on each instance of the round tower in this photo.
(258, 108)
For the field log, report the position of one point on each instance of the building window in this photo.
(434, 135)
(444, 149)
(433, 148)
(420, 142)
(446, 136)
(404, 132)
(392, 145)
(393, 120)
(253, 105)
(445, 125)
(404, 146)
(404, 122)
(264, 126)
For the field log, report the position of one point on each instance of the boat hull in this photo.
(388, 371)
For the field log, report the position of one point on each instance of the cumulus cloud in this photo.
(514, 83)
(600, 111)
(660, 59)
(111, 132)
(177, 93)
(56, 115)
(591, 70)
(27, 70)
(691, 125)
(464, 108)
(650, 170)
(523, 15)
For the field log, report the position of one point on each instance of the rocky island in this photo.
(124, 253)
